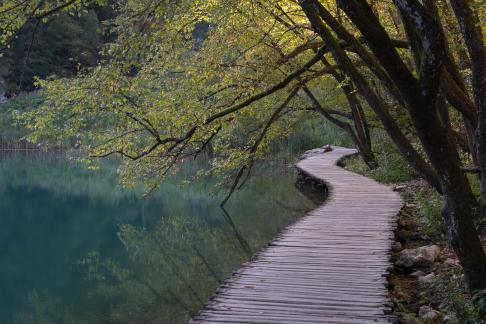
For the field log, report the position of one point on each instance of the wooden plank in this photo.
(329, 267)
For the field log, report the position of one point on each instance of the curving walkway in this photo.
(329, 267)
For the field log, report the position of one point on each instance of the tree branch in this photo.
(255, 146)
(274, 88)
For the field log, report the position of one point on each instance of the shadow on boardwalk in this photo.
(329, 267)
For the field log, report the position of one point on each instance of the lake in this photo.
(75, 247)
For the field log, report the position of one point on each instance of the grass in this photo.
(392, 168)
(429, 205)
(309, 133)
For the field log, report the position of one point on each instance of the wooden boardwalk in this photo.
(329, 267)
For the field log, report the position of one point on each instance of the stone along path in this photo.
(329, 267)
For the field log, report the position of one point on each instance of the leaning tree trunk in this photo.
(457, 212)
(473, 36)
(363, 150)
(360, 123)
(420, 96)
(361, 134)
(377, 104)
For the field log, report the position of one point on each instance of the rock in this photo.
(427, 313)
(418, 273)
(406, 235)
(451, 262)
(427, 279)
(397, 246)
(422, 257)
(327, 148)
(399, 188)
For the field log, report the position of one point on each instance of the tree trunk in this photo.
(360, 124)
(367, 156)
(421, 100)
(378, 106)
(457, 212)
(472, 33)
(361, 136)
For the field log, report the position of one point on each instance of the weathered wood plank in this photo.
(329, 267)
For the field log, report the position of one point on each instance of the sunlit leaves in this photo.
(173, 65)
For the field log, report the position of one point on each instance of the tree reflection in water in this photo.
(176, 247)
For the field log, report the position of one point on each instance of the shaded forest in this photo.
(59, 47)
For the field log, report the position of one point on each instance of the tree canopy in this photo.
(183, 77)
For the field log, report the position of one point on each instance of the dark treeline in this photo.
(59, 47)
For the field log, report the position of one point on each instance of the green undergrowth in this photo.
(9, 130)
(428, 211)
(448, 292)
(392, 168)
(309, 133)
(450, 288)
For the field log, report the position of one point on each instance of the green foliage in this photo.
(392, 168)
(22, 103)
(450, 287)
(429, 204)
(474, 182)
(60, 47)
(15, 14)
(42, 38)
(479, 300)
(151, 101)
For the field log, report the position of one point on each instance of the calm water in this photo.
(76, 248)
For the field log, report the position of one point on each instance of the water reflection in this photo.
(76, 248)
